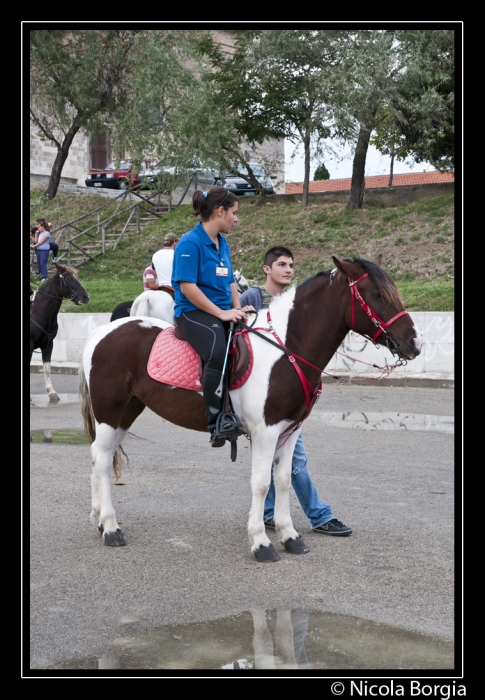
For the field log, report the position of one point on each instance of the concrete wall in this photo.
(356, 355)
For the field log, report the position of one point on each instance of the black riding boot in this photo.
(221, 425)
(213, 403)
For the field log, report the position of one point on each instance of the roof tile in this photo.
(372, 181)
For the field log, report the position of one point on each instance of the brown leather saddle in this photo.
(238, 360)
(167, 288)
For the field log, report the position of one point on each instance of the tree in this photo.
(89, 80)
(78, 79)
(275, 88)
(321, 173)
(420, 125)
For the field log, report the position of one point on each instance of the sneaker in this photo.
(44, 279)
(270, 523)
(54, 259)
(333, 527)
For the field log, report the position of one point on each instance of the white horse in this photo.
(155, 303)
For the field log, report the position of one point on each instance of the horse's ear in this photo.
(378, 260)
(344, 266)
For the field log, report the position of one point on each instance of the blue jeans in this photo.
(42, 256)
(315, 510)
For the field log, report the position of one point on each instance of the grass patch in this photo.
(61, 437)
(313, 234)
(428, 295)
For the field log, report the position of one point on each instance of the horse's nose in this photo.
(418, 341)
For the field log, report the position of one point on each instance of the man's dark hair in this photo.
(274, 253)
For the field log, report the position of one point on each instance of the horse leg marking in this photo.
(48, 384)
(103, 448)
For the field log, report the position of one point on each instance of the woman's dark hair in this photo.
(204, 203)
(43, 222)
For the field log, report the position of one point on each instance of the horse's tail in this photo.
(86, 407)
(89, 422)
(140, 308)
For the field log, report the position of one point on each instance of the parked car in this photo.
(242, 187)
(201, 177)
(120, 176)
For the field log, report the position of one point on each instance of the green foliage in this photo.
(321, 173)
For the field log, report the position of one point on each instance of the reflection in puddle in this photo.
(387, 421)
(42, 400)
(271, 639)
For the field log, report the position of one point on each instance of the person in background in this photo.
(163, 260)
(54, 247)
(150, 278)
(40, 244)
(278, 267)
(206, 298)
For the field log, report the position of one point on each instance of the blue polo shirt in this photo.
(196, 260)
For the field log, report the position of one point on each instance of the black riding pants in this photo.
(207, 335)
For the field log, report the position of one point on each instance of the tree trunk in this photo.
(306, 177)
(391, 171)
(61, 157)
(358, 169)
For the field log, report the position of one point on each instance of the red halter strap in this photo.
(307, 386)
(379, 323)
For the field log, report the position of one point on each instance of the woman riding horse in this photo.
(206, 296)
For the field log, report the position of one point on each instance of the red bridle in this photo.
(308, 388)
(379, 323)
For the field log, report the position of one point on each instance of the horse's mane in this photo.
(72, 270)
(310, 279)
(379, 277)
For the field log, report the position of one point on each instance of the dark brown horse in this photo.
(44, 307)
(294, 342)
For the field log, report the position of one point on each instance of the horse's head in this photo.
(241, 282)
(375, 307)
(68, 285)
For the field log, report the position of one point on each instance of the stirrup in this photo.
(228, 427)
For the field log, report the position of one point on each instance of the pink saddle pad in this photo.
(175, 362)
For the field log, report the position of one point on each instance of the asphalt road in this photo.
(183, 508)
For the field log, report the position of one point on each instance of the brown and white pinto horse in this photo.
(310, 321)
(45, 304)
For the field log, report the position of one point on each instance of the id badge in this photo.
(222, 271)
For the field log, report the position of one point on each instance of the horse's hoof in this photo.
(114, 539)
(296, 546)
(265, 554)
(53, 398)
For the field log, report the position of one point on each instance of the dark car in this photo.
(242, 187)
(120, 176)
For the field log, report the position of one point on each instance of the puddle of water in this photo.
(382, 420)
(270, 639)
(42, 400)
(387, 421)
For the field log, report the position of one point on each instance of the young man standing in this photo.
(279, 269)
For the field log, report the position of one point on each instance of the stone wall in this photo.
(43, 154)
(384, 196)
